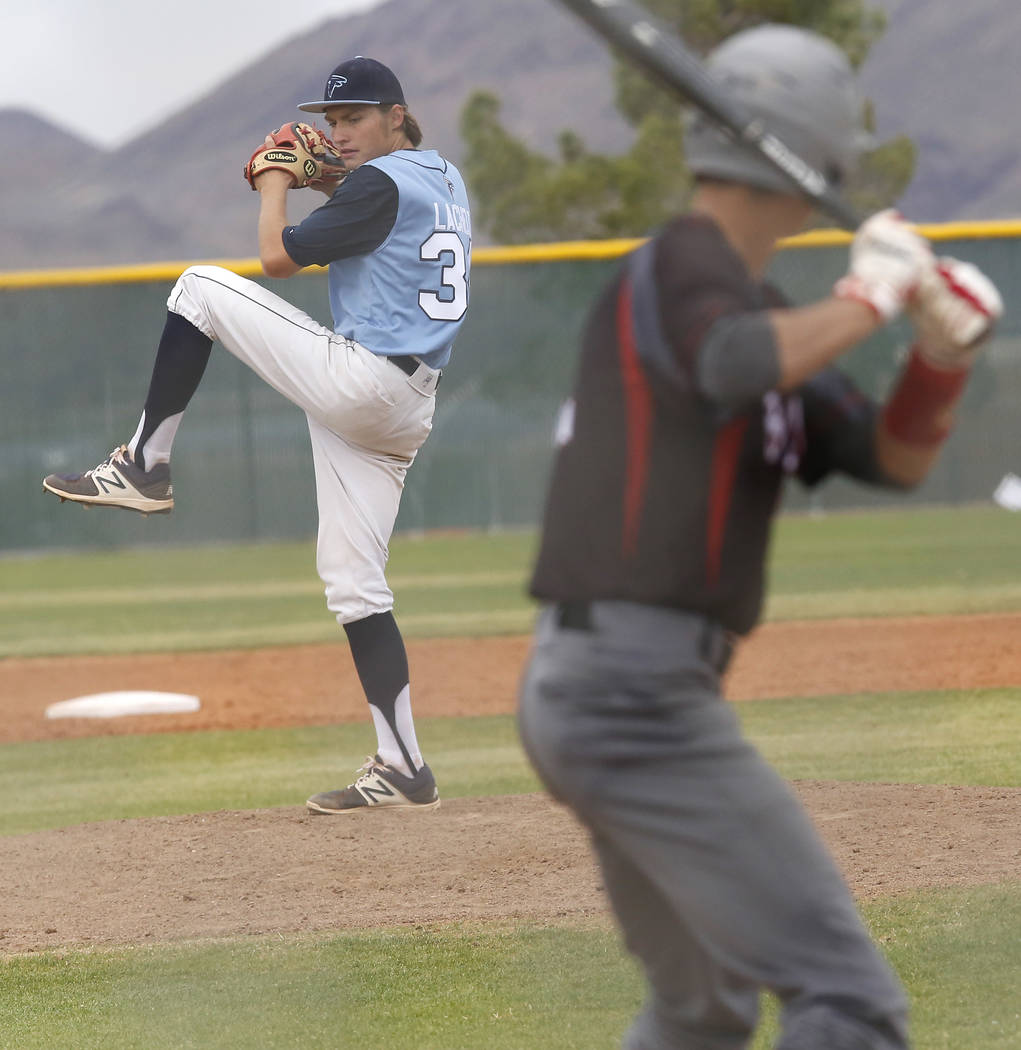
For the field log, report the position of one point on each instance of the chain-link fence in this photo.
(76, 359)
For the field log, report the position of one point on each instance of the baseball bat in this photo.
(654, 48)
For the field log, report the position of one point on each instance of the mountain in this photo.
(942, 73)
(36, 155)
(177, 192)
(946, 74)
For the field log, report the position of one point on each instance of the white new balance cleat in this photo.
(380, 787)
(117, 482)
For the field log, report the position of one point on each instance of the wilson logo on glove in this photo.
(303, 151)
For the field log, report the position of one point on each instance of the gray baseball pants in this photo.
(721, 884)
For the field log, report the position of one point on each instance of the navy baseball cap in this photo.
(359, 80)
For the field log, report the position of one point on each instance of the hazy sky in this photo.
(105, 69)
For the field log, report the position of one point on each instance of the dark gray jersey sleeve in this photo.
(738, 360)
(700, 320)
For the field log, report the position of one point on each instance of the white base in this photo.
(1008, 492)
(113, 705)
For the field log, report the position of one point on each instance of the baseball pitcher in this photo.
(395, 233)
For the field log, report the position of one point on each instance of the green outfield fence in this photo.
(77, 351)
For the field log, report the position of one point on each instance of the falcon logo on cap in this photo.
(334, 84)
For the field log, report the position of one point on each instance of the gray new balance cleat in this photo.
(380, 787)
(117, 482)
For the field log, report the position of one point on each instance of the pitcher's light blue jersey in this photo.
(409, 294)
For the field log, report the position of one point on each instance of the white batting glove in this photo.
(888, 259)
(954, 310)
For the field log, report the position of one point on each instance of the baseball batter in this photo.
(396, 235)
(699, 391)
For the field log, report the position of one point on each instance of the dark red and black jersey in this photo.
(658, 494)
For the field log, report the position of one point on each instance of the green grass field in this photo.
(923, 738)
(469, 988)
(503, 986)
(885, 564)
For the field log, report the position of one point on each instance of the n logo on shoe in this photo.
(380, 788)
(114, 482)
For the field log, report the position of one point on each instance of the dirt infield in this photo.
(510, 857)
(317, 684)
(281, 870)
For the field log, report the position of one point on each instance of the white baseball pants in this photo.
(366, 418)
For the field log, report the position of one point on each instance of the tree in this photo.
(523, 196)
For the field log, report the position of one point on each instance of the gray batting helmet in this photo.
(802, 86)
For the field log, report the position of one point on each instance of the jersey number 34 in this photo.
(451, 300)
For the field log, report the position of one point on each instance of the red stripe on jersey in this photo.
(638, 416)
(726, 451)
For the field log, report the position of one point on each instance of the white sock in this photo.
(161, 441)
(388, 747)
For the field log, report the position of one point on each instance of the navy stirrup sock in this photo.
(381, 661)
(181, 359)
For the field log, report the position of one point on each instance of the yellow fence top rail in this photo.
(127, 274)
(483, 256)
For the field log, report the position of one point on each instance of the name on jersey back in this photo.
(453, 217)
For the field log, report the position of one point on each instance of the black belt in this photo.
(407, 364)
(574, 615)
(715, 644)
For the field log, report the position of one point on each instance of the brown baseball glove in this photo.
(300, 149)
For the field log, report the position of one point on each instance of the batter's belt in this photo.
(713, 643)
